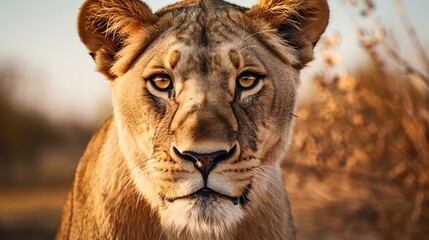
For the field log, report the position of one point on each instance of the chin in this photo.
(202, 215)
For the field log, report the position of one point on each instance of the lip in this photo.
(207, 192)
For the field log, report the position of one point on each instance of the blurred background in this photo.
(359, 164)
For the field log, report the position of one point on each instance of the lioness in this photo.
(204, 93)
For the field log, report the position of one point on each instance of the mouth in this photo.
(209, 193)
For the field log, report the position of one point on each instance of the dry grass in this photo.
(360, 159)
(359, 164)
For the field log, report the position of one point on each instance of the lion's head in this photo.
(203, 93)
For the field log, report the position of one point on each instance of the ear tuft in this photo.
(299, 22)
(104, 26)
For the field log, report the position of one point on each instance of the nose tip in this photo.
(205, 162)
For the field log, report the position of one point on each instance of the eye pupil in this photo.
(247, 80)
(162, 82)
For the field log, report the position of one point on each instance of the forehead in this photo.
(208, 24)
(203, 37)
(204, 28)
(207, 28)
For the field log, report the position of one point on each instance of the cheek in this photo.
(284, 106)
(135, 113)
(266, 117)
(274, 136)
(134, 104)
(127, 98)
(254, 113)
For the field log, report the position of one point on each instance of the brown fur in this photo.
(134, 180)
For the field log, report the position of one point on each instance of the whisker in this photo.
(270, 180)
(253, 34)
(250, 46)
(273, 167)
(128, 180)
(293, 114)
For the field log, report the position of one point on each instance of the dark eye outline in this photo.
(241, 88)
(152, 82)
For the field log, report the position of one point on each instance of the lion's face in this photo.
(203, 119)
(205, 112)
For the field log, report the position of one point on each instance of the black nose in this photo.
(205, 162)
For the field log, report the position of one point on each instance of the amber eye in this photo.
(162, 82)
(247, 81)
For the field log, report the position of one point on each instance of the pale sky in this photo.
(59, 77)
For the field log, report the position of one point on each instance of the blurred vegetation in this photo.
(37, 162)
(27, 137)
(359, 164)
(21, 133)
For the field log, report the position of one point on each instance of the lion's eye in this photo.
(247, 80)
(161, 82)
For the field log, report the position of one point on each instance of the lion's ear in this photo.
(299, 22)
(104, 26)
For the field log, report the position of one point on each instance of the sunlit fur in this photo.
(131, 183)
